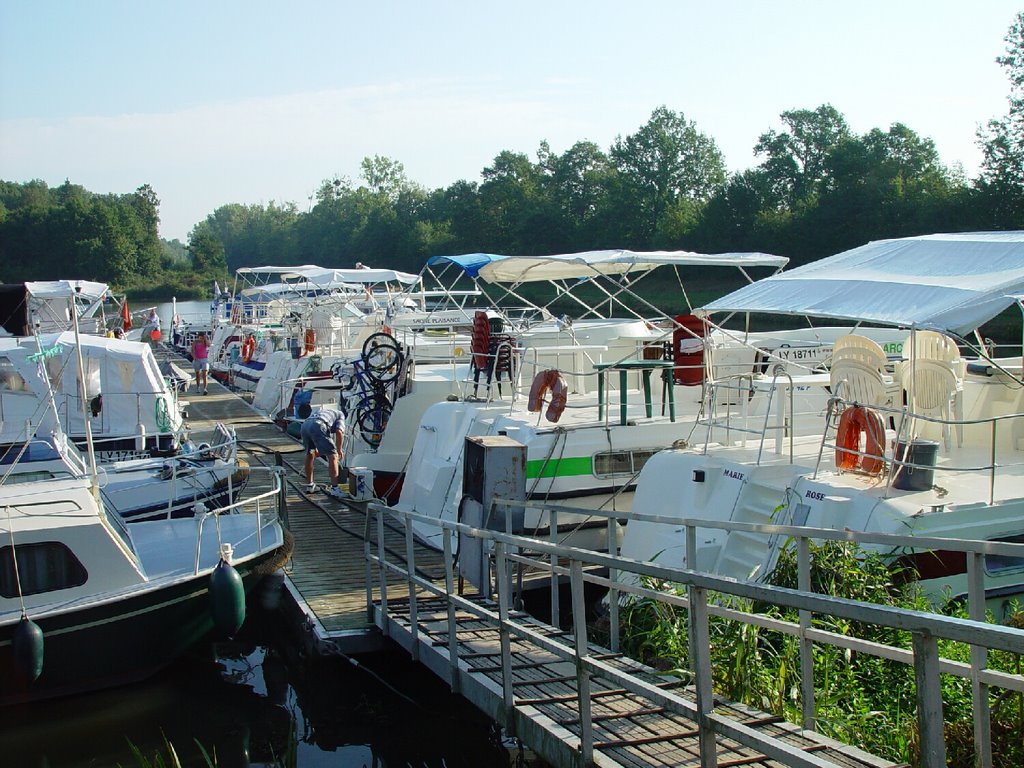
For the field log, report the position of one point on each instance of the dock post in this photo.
(453, 634)
(806, 646)
(979, 661)
(410, 573)
(579, 620)
(504, 598)
(929, 700)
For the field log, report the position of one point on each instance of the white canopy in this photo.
(567, 266)
(325, 276)
(361, 276)
(947, 282)
(124, 372)
(64, 289)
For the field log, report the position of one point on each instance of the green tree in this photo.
(1001, 183)
(667, 159)
(796, 159)
(207, 252)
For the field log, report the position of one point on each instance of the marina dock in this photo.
(571, 701)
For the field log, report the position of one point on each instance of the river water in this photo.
(255, 702)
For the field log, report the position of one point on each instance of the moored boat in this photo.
(109, 603)
(927, 442)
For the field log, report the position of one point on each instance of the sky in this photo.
(213, 102)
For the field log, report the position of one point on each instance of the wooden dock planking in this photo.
(628, 729)
(327, 569)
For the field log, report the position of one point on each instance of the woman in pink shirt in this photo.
(201, 361)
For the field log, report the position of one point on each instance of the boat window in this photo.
(42, 567)
(92, 377)
(55, 370)
(621, 462)
(10, 379)
(1000, 563)
(33, 476)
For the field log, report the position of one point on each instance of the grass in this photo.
(168, 756)
(860, 699)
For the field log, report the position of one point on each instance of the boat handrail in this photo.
(203, 514)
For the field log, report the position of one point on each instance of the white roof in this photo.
(567, 266)
(62, 289)
(361, 276)
(948, 282)
(325, 276)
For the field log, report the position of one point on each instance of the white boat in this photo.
(137, 489)
(287, 318)
(132, 410)
(45, 307)
(591, 446)
(87, 601)
(931, 443)
(94, 603)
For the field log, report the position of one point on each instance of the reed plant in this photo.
(168, 756)
(860, 699)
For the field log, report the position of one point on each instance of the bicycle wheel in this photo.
(382, 357)
(372, 416)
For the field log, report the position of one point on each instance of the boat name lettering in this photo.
(893, 348)
(733, 474)
(816, 495)
(802, 353)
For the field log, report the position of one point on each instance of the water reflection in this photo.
(247, 703)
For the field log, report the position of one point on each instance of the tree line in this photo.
(818, 188)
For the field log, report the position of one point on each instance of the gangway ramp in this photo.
(570, 699)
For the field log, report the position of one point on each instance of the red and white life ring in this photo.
(545, 381)
(856, 422)
(248, 348)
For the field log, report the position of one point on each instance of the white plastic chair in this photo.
(860, 349)
(856, 382)
(855, 373)
(932, 376)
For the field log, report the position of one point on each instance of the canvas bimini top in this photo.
(496, 268)
(945, 282)
(325, 276)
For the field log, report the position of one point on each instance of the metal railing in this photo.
(264, 507)
(578, 566)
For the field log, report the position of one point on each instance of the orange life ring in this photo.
(248, 348)
(309, 341)
(481, 341)
(856, 421)
(542, 382)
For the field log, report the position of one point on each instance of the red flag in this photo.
(126, 316)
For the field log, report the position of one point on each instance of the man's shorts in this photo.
(202, 364)
(316, 436)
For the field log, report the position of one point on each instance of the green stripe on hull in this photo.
(577, 465)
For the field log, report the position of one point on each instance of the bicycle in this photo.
(365, 395)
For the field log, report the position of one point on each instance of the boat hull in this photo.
(118, 642)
